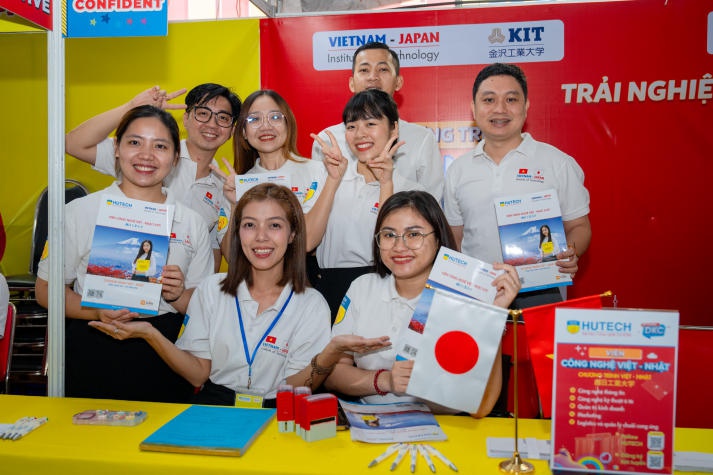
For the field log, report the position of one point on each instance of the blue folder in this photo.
(216, 430)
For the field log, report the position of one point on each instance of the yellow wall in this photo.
(101, 73)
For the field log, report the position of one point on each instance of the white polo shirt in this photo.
(203, 195)
(307, 178)
(189, 247)
(350, 227)
(372, 308)
(417, 161)
(212, 332)
(473, 181)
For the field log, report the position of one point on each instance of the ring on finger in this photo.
(116, 331)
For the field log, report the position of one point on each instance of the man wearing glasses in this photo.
(209, 119)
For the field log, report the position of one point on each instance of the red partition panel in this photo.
(694, 388)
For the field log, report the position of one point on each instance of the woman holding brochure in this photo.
(260, 325)
(410, 229)
(98, 366)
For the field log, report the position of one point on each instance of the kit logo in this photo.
(517, 35)
(496, 36)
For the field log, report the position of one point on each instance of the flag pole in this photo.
(515, 464)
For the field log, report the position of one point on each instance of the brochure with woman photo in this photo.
(531, 236)
(129, 250)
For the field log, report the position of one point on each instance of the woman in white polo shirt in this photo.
(259, 325)
(410, 229)
(147, 145)
(371, 120)
(265, 141)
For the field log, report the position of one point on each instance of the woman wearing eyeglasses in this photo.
(265, 140)
(410, 228)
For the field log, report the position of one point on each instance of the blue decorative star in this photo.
(105, 18)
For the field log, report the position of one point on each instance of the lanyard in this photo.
(250, 357)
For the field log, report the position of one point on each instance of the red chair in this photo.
(6, 347)
(694, 389)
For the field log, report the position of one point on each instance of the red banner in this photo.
(621, 94)
(38, 12)
(540, 337)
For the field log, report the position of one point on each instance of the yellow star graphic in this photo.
(93, 22)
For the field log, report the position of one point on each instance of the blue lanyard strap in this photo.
(250, 357)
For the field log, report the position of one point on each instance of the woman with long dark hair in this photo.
(143, 266)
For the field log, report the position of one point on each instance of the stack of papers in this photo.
(389, 423)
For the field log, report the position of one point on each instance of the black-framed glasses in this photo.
(412, 239)
(274, 118)
(204, 114)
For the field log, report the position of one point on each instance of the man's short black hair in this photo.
(377, 45)
(501, 69)
(204, 93)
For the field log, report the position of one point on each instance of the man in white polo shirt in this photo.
(494, 168)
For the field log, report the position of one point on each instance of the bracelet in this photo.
(376, 383)
(173, 300)
(320, 369)
(317, 369)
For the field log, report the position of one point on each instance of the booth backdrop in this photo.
(645, 157)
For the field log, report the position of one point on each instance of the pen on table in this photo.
(10, 432)
(28, 426)
(32, 425)
(414, 451)
(19, 430)
(397, 460)
(426, 457)
(390, 450)
(442, 457)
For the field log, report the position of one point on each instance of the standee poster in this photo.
(615, 390)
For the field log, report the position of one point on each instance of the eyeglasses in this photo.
(204, 114)
(412, 239)
(256, 119)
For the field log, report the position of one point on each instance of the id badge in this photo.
(250, 401)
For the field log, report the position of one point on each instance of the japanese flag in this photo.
(459, 345)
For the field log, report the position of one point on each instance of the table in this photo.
(61, 447)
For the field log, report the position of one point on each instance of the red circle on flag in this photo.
(456, 352)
